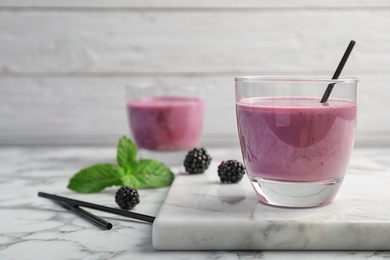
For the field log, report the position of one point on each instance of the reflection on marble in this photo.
(36, 228)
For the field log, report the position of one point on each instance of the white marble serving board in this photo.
(200, 213)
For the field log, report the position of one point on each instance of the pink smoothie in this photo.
(166, 123)
(296, 139)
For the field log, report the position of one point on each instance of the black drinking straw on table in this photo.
(80, 203)
(87, 215)
(338, 71)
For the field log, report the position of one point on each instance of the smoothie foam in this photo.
(296, 139)
(166, 123)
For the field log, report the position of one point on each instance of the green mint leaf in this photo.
(95, 178)
(150, 174)
(126, 152)
(128, 179)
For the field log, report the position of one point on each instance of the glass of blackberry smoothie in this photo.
(165, 121)
(296, 149)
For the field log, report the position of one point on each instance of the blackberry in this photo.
(127, 197)
(197, 161)
(231, 171)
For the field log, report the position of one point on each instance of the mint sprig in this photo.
(129, 172)
(95, 178)
(126, 152)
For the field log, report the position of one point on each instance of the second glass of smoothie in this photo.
(165, 121)
(296, 149)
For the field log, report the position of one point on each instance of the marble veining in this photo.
(209, 215)
(36, 228)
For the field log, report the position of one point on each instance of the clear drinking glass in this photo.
(165, 121)
(296, 150)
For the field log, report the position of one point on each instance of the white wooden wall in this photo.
(64, 64)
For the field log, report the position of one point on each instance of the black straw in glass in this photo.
(80, 203)
(87, 215)
(338, 71)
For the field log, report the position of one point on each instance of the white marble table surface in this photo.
(35, 228)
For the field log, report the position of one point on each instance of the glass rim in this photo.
(295, 79)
